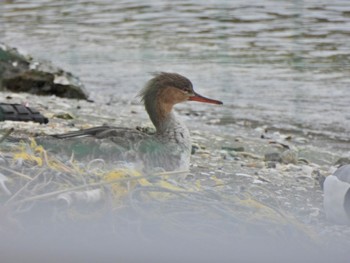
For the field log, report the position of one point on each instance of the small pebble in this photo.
(64, 116)
(272, 157)
(194, 149)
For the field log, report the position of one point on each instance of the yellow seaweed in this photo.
(28, 157)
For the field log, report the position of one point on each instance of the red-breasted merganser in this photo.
(170, 147)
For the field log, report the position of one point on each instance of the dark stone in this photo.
(19, 73)
(271, 164)
(194, 149)
(272, 157)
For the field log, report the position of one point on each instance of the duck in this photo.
(169, 147)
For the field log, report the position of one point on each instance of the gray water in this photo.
(280, 63)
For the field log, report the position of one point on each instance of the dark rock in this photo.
(271, 164)
(194, 149)
(272, 157)
(19, 73)
(286, 157)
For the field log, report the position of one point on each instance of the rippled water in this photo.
(282, 63)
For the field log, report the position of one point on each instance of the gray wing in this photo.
(124, 137)
(103, 141)
(82, 133)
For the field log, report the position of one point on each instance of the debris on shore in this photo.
(21, 73)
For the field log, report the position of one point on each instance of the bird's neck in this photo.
(160, 114)
(171, 131)
(164, 119)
